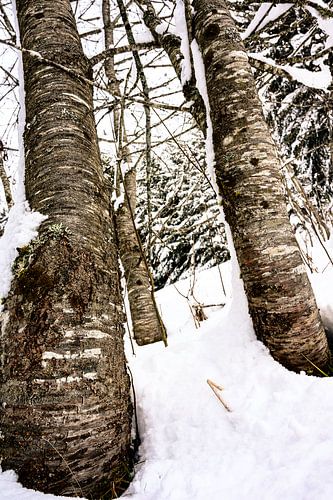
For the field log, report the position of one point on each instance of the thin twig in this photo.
(74, 73)
(121, 50)
(215, 388)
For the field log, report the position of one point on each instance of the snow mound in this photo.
(277, 440)
(275, 443)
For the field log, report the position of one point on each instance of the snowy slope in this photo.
(277, 441)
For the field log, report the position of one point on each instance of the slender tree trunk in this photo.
(4, 178)
(281, 301)
(65, 405)
(147, 323)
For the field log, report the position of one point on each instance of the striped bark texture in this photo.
(330, 119)
(65, 404)
(147, 324)
(281, 301)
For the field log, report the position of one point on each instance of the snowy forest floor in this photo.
(275, 443)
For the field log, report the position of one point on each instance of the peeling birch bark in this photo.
(65, 405)
(281, 301)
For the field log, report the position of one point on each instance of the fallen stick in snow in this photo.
(216, 388)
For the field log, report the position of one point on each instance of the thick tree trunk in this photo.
(147, 323)
(65, 405)
(281, 301)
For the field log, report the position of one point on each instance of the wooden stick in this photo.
(212, 384)
(216, 388)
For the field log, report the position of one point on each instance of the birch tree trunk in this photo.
(147, 323)
(281, 301)
(65, 404)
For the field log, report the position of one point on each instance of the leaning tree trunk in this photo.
(330, 120)
(281, 301)
(147, 323)
(65, 404)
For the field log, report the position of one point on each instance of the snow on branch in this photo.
(317, 80)
(181, 30)
(112, 51)
(325, 24)
(266, 13)
(269, 12)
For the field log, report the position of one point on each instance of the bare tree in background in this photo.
(147, 323)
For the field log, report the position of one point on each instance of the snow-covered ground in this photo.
(275, 443)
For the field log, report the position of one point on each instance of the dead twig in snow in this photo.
(215, 388)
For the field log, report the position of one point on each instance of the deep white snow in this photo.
(277, 441)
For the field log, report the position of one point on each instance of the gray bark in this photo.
(281, 301)
(65, 405)
(147, 323)
(330, 119)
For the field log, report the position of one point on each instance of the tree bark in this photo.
(147, 323)
(330, 120)
(66, 410)
(281, 301)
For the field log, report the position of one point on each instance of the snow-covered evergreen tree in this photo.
(186, 230)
